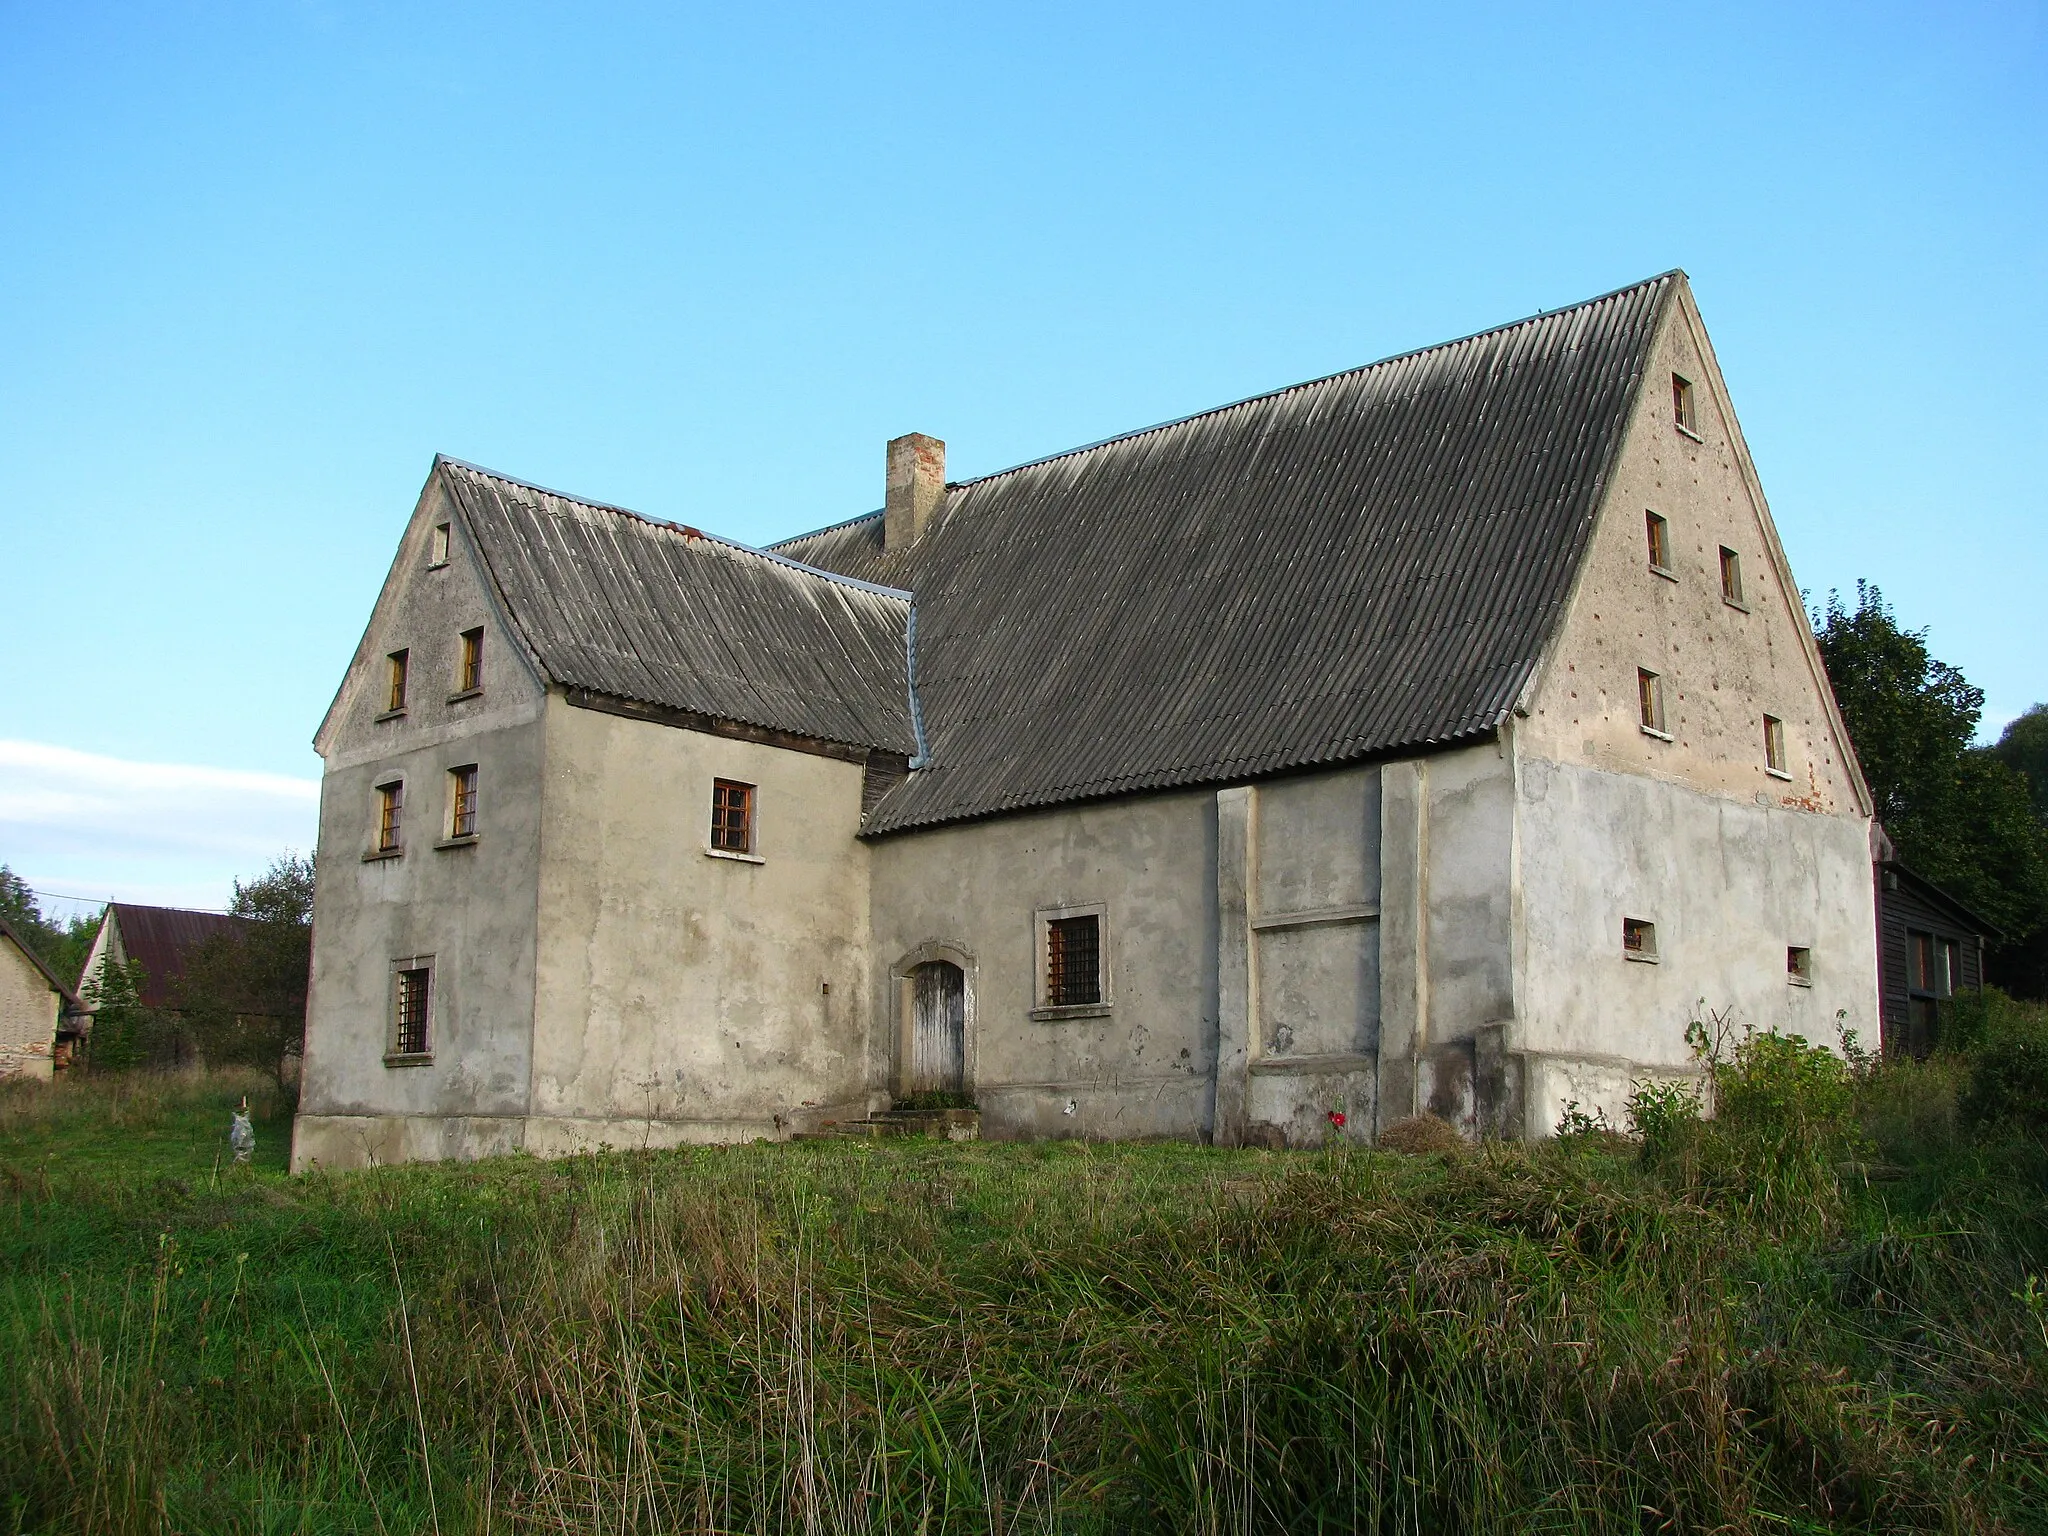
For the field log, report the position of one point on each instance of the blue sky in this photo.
(261, 262)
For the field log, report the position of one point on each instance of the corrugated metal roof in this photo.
(1363, 565)
(661, 614)
(161, 938)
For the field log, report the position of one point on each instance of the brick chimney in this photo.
(917, 485)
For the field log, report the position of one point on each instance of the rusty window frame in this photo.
(732, 816)
(1073, 961)
(412, 1007)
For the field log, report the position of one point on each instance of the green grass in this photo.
(983, 1337)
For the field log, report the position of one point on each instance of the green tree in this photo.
(125, 1034)
(2024, 748)
(244, 992)
(63, 946)
(1960, 815)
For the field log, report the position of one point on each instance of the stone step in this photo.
(944, 1124)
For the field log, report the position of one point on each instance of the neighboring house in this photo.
(1438, 735)
(160, 938)
(1930, 948)
(39, 1016)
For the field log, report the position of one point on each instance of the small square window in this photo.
(1638, 939)
(1659, 532)
(1650, 700)
(412, 996)
(1731, 577)
(1774, 746)
(732, 816)
(390, 812)
(1073, 961)
(469, 671)
(1799, 965)
(438, 549)
(462, 801)
(1681, 404)
(397, 664)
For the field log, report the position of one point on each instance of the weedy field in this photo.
(1827, 1309)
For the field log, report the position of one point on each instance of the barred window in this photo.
(409, 1033)
(462, 801)
(390, 813)
(469, 675)
(1073, 973)
(732, 816)
(397, 664)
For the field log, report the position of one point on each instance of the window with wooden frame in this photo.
(1681, 404)
(1073, 961)
(1650, 701)
(1638, 938)
(412, 997)
(437, 549)
(462, 801)
(1658, 535)
(1731, 577)
(469, 668)
(396, 667)
(1774, 747)
(390, 814)
(732, 816)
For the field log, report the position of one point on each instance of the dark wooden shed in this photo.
(1930, 947)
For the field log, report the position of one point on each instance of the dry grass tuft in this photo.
(1420, 1135)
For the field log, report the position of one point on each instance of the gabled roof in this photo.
(1365, 565)
(657, 613)
(70, 1002)
(161, 937)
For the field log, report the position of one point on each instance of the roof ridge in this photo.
(1288, 389)
(686, 529)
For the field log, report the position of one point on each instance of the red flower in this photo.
(1337, 1118)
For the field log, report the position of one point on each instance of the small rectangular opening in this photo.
(1799, 965)
(1731, 577)
(1638, 938)
(732, 816)
(462, 801)
(1073, 961)
(409, 1023)
(396, 665)
(1650, 700)
(1681, 403)
(438, 551)
(1774, 745)
(1659, 535)
(390, 811)
(469, 671)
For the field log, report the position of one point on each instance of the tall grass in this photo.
(931, 1337)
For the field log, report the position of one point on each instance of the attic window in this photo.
(394, 680)
(1681, 405)
(1638, 939)
(469, 670)
(732, 816)
(1650, 701)
(1799, 965)
(1731, 577)
(1774, 747)
(1658, 531)
(437, 550)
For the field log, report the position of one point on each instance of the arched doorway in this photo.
(938, 1029)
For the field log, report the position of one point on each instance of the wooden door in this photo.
(938, 1028)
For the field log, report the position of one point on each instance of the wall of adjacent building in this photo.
(471, 908)
(28, 1016)
(683, 996)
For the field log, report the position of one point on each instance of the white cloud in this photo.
(86, 825)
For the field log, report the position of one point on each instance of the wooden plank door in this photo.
(938, 1028)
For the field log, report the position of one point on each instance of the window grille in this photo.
(410, 1036)
(462, 802)
(732, 816)
(394, 695)
(1073, 973)
(470, 675)
(390, 810)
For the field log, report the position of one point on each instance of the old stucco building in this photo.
(1442, 734)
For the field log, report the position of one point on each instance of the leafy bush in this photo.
(1664, 1114)
(2008, 1087)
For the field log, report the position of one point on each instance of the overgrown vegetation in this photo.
(1825, 1308)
